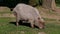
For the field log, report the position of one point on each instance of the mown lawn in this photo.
(6, 27)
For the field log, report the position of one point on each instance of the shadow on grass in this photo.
(23, 24)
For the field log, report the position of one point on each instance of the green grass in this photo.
(52, 26)
(58, 5)
(4, 12)
(7, 28)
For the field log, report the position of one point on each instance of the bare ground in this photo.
(50, 14)
(7, 15)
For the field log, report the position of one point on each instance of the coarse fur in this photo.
(27, 12)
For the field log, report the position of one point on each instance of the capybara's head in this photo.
(41, 23)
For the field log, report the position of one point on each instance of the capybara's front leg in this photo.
(32, 23)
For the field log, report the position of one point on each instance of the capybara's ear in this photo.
(38, 18)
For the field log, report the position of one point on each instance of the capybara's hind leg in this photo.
(17, 20)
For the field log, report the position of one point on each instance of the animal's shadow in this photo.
(21, 23)
(24, 24)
